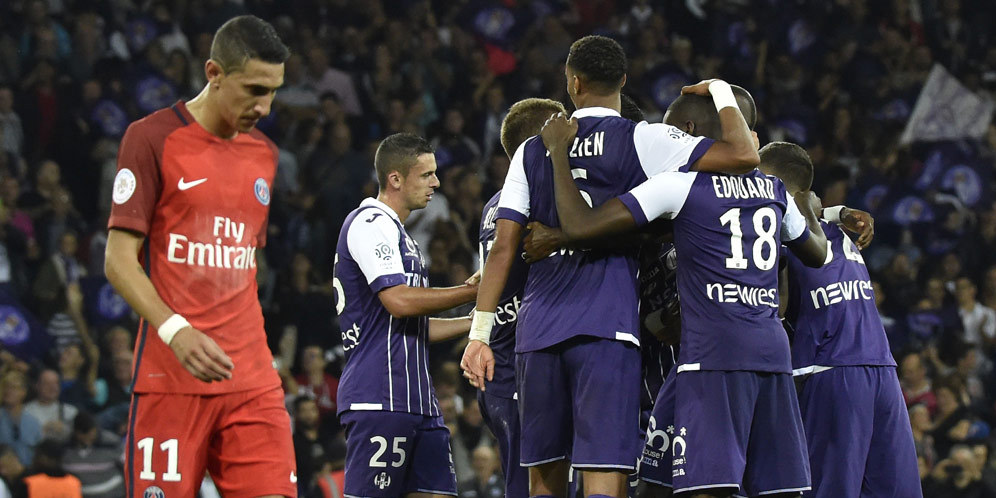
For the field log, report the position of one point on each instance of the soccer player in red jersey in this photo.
(190, 206)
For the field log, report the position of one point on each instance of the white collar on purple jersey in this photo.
(594, 112)
(372, 201)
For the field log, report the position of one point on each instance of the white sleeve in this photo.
(514, 201)
(374, 240)
(793, 223)
(662, 195)
(662, 147)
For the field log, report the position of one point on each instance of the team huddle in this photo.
(652, 296)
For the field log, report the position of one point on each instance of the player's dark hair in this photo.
(701, 110)
(300, 400)
(247, 37)
(398, 152)
(788, 162)
(84, 422)
(629, 109)
(600, 61)
(745, 101)
(525, 119)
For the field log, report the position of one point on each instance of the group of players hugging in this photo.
(651, 296)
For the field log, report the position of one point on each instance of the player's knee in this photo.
(648, 490)
(549, 479)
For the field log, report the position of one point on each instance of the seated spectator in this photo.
(959, 476)
(55, 417)
(98, 466)
(315, 382)
(486, 483)
(978, 321)
(924, 442)
(78, 377)
(954, 422)
(47, 478)
(12, 471)
(18, 428)
(916, 384)
(308, 446)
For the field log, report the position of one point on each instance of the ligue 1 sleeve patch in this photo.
(262, 191)
(124, 186)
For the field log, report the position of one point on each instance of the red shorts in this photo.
(243, 439)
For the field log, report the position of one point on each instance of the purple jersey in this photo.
(386, 364)
(727, 233)
(588, 293)
(507, 313)
(832, 310)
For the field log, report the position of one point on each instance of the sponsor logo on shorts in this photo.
(153, 492)
(382, 480)
(679, 456)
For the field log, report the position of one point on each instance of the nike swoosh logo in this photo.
(182, 185)
(293, 477)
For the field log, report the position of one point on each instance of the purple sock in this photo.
(542, 496)
(599, 496)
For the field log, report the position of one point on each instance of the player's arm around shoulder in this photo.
(578, 221)
(801, 229)
(736, 152)
(197, 352)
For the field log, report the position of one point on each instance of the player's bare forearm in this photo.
(442, 329)
(735, 152)
(508, 235)
(578, 220)
(404, 301)
(813, 251)
(129, 279)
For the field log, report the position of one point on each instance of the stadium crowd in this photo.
(840, 78)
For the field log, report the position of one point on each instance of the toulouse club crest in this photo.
(262, 191)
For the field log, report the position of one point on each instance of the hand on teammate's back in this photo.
(201, 356)
(861, 223)
(559, 132)
(541, 242)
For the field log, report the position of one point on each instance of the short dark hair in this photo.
(788, 162)
(525, 119)
(398, 152)
(629, 109)
(600, 61)
(745, 101)
(247, 37)
(701, 110)
(84, 422)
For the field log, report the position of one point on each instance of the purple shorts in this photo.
(580, 400)
(391, 454)
(655, 466)
(858, 430)
(738, 430)
(501, 415)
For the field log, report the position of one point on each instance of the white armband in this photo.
(722, 95)
(832, 214)
(171, 326)
(481, 325)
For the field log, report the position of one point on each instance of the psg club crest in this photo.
(262, 191)
(153, 492)
(14, 328)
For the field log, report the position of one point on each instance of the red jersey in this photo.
(202, 203)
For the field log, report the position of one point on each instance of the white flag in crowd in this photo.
(946, 110)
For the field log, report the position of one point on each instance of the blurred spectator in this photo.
(317, 384)
(79, 377)
(308, 446)
(47, 478)
(486, 483)
(920, 421)
(11, 131)
(55, 417)
(916, 384)
(959, 476)
(97, 465)
(58, 295)
(18, 428)
(12, 471)
(978, 321)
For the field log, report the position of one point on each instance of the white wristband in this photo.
(171, 326)
(481, 325)
(832, 214)
(722, 95)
